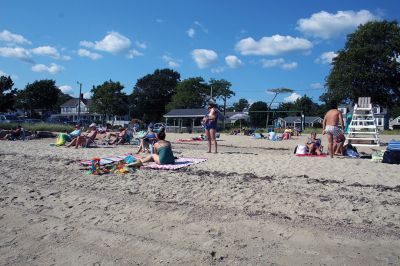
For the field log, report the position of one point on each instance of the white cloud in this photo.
(316, 85)
(292, 97)
(141, 45)
(2, 73)
(16, 52)
(273, 45)
(272, 62)
(66, 57)
(159, 20)
(217, 70)
(288, 66)
(173, 63)
(9, 37)
(47, 51)
(87, 95)
(326, 25)
(201, 26)
(86, 44)
(326, 58)
(87, 53)
(203, 57)
(278, 62)
(52, 69)
(191, 32)
(66, 89)
(133, 53)
(233, 61)
(113, 42)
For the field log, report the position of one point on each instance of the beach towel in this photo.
(190, 140)
(106, 160)
(394, 145)
(179, 163)
(311, 155)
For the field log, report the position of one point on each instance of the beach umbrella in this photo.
(239, 117)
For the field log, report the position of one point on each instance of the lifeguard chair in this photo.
(362, 129)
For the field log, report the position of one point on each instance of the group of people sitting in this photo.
(14, 134)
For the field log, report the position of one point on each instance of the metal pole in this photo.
(211, 94)
(79, 101)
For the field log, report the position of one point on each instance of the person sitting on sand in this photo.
(84, 139)
(163, 152)
(313, 144)
(14, 134)
(120, 137)
(147, 139)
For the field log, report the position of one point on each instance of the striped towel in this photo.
(394, 145)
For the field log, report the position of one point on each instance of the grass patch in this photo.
(40, 127)
(390, 132)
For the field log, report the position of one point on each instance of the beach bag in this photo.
(391, 156)
(300, 149)
(351, 152)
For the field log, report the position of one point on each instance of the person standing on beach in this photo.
(330, 126)
(210, 122)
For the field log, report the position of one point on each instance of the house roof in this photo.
(307, 119)
(189, 113)
(74, 102)
(178, 113)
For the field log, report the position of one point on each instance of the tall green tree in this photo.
(241, 105)
(7, 93)
(306, 105)
(41, 94)
(190, 93)
(152, 93)
(108, 99)
(258, 118)
(368, 65)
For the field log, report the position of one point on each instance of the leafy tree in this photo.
(190, 93)
(306, 105)
(7, 93)
(152, 93)
(41, 94)
(367, 66)
(222, 90)
(240, 105)
(109, 99)
(258, 119)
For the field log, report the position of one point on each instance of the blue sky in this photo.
(256, 45)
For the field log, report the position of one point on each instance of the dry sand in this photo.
(254, 203)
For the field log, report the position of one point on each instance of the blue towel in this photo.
(394, 145)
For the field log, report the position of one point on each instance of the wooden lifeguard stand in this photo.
(362, 129)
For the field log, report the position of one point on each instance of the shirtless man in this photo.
(330, 126)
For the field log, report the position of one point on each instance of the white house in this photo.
(395, 123)
(69, 109)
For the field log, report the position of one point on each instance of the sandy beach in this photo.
(253, 203)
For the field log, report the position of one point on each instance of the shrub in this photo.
(40, 127)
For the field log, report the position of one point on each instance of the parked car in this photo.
(58, 120)
(32, 120)
(157, 127)
(8, 119)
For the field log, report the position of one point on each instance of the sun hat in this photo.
(92, 125)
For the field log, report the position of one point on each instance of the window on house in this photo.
(398, 120)
(376, 110)
(379, 121)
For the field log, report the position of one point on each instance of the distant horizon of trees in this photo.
(367, 65)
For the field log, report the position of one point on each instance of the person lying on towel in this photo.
(163, 152)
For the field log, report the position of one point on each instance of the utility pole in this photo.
(79, 101)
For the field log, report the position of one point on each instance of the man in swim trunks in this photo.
(330, 126)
